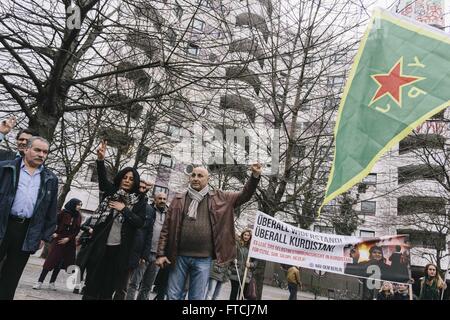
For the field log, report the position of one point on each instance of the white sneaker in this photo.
(38, 286)
(51, 286)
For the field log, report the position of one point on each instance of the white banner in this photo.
(385, 258)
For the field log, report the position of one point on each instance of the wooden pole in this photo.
(241, 292)
(410, 291)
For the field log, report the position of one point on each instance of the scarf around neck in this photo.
(130, 199)
(196, 197)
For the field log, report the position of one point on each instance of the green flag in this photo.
(400, 78)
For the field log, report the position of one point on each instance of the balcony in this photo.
(138, 76)
(253, 20)
(245, 75)
(408, 205)
(134, 109)
(235, 102)
(116, 139)
(249, 46)
(144, 42)
(149, 12)
(268, 5)
(412, 173)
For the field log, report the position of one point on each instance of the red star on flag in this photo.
(391, 83)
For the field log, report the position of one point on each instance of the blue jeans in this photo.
(142, 279)
(293, 288)
(214, 288)
(194, 269)
(135, 280)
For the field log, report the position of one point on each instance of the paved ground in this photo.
(34, 267)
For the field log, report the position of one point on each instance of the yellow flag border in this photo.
(409, 24)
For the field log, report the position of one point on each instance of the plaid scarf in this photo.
(103, 211)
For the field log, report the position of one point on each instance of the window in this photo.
(216, 33)
(332, 103)
(198, 24)
(339, 58)
(157, 189)
(336, 81)
(193, 49)
(142, 154)
(371, 179)
(206, 3)
(368, 207)
(173, 130)
(366, 234)
(299, 151)
(166, 161)
(330, 209)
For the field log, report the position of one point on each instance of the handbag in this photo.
(250, 291)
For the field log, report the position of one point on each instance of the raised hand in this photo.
(256, 169)
(7, 125)
(101, 151)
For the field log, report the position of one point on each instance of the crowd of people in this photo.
(186, 250)
(127, 244)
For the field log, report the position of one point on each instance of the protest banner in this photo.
(379, 258)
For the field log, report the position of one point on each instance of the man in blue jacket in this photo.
(28, 194)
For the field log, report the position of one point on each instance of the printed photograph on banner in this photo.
(388, 256)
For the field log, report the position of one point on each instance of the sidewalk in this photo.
(34, 267)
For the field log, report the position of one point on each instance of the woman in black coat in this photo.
(121, 212)
(63, 246)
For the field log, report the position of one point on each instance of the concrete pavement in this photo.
(34, 268)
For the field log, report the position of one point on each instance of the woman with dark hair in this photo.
(238, 267)
(431, 283)
(63, 246)
(121, 212)
(376, 258)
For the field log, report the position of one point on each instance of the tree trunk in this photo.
(64, 192)
(44, 125)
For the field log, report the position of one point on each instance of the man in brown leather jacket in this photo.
(199, 226)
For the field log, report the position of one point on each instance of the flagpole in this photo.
(446, 271)
(410, 291)
(241, 292)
